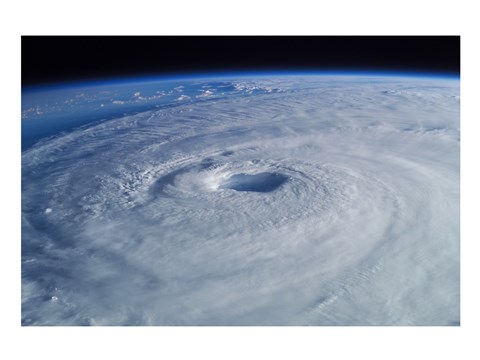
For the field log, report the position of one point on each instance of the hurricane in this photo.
(275, 200)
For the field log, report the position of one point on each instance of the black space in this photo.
(52, 59)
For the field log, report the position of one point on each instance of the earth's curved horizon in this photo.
(292, 199)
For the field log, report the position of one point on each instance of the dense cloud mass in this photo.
(299, 201)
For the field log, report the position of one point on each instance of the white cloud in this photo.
(205, 93)
(183, 97)
(163, 227)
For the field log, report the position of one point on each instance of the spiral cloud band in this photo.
(313, 201)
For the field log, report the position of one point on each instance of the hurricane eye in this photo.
(262, 182)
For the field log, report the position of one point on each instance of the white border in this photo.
(247, 17)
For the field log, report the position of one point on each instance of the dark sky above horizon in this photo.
(59, 59)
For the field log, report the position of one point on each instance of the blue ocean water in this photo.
(53, 109)
(49, 111)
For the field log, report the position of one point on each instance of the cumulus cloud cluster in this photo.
(332, 202)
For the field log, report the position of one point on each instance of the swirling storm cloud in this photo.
(281, 200)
